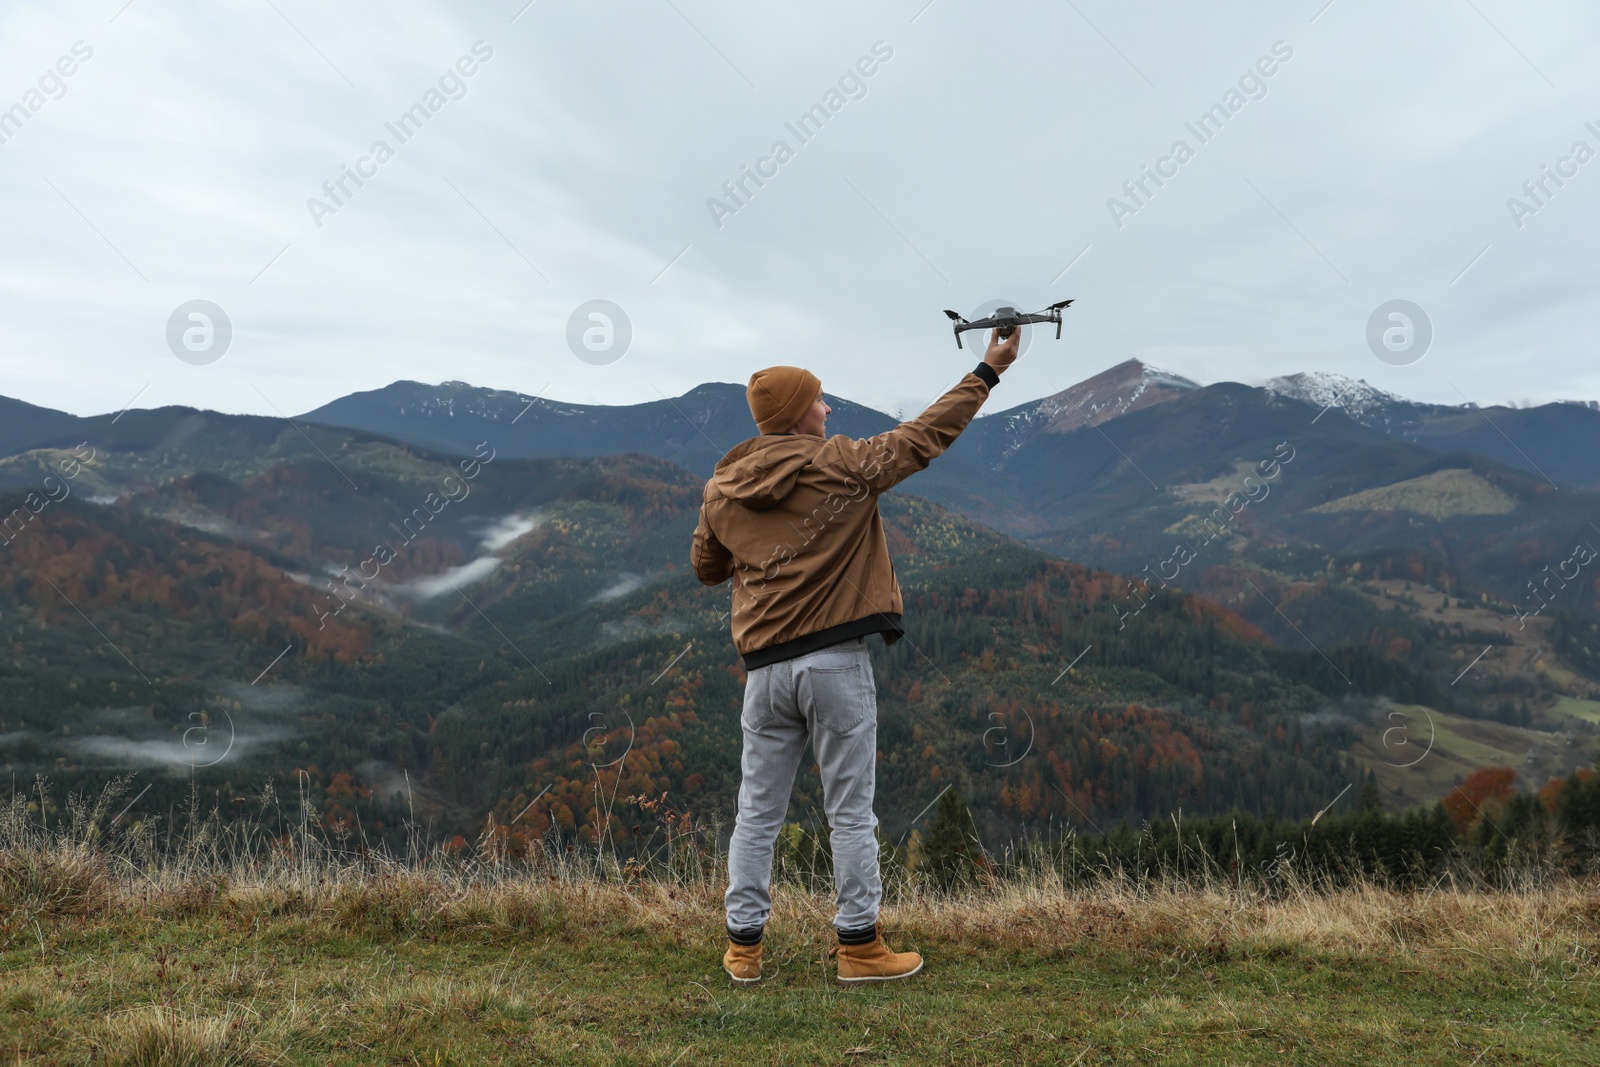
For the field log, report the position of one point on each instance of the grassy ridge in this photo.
(420, 972)
(213, 950)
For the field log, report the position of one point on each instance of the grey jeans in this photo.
(830, 697)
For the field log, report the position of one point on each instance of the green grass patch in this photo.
(1587, 710)
(233, 984)
(1440, 495)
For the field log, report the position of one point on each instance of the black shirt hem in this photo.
(884, 622)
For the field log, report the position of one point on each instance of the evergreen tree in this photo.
(1367, 799)
(948, 850)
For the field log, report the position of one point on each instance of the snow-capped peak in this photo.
(1113, 392)
(1362, 402)
(1157, 376)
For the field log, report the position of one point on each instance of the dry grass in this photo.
(158, 1036)
(1036, 911)
(269, 970)
(222, 948)
(75, 870)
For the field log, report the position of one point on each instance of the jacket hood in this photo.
(761, 472)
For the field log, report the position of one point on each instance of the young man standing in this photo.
(792, 517)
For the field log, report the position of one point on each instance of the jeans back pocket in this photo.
(837, 696)
(758, 709)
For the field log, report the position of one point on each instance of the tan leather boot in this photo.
(874, 962)
(743, 963)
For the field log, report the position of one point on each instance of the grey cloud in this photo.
(589, 144)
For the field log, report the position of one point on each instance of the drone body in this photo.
(1007, 320)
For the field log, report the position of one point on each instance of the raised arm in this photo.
(887, 459)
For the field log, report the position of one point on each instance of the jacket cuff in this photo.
(990, 376)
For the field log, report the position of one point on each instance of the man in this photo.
(792, 517)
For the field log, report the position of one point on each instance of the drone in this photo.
(1008, 319)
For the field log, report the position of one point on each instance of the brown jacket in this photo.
(793, 519)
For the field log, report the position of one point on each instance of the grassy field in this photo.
(409, 968)
(1419, 753)
(1588, 710)
(1439, 495)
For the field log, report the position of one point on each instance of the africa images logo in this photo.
(199, 332)
(51, 85)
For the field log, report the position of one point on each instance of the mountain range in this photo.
(695, 429)
(1160, 584)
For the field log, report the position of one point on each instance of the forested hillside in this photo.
(457, 642)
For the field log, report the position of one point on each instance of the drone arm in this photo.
(956, 322)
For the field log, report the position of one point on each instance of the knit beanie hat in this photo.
(779, 396)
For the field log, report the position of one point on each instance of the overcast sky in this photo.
(577, 161)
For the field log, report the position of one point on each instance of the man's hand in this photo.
(1002, 354)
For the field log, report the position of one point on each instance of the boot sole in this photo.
(742, 981)
(884, 977)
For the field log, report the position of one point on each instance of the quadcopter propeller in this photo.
(954, 316)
